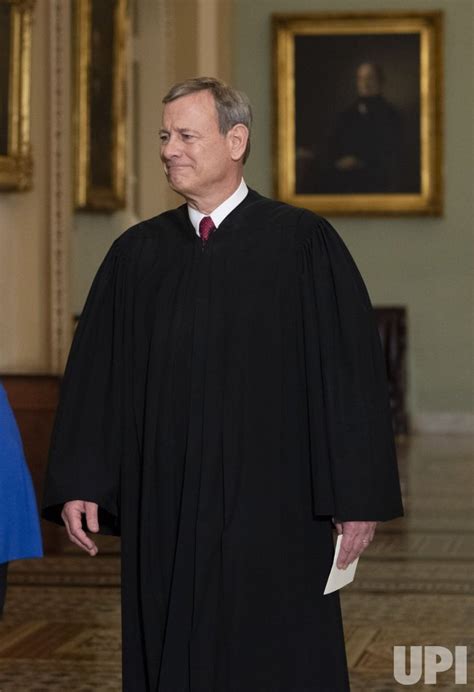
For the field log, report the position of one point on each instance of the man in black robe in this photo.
(365, 147)
(224, 401)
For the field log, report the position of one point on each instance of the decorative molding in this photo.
(60, 195)
(445, 423)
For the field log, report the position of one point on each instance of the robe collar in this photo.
(223, 210)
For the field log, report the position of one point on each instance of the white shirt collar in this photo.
(223, 210)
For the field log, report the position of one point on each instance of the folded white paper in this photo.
(340, 577)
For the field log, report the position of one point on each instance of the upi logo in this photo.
(436, 659)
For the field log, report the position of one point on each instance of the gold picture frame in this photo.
(100, 32)
(16, 164)
(342, 146)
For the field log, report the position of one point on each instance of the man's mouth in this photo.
(175, 165)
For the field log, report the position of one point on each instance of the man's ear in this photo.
(238, 137)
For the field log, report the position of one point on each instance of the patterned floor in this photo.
(414, 586)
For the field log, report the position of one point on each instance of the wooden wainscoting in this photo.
(392, 326)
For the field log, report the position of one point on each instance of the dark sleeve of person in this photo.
(352, 447)
(84, 457)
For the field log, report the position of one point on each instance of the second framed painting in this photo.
(100, 36)
(358, 112)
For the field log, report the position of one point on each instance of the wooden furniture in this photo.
(391, 322)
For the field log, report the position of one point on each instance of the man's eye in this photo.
(186, 136)
(163, 138)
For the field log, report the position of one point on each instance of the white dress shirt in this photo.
(220, 212)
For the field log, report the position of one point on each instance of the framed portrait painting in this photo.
(358, 112)
(100, 34)
(16, 165)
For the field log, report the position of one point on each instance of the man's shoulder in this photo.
(283, 212)
(276, 209)
(151, 229)
(311, 232)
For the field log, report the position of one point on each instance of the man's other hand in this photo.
(72, 516)
(356, 536)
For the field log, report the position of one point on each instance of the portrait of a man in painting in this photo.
(16, 162)
(357, 114)
(358, 126)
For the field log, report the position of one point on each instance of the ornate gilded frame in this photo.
(16, 164)
(429, 26)
(88, 193)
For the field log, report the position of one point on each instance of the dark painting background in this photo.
(325, 86)
(5, 21)
(101, 93)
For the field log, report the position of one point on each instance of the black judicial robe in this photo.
(221, 405)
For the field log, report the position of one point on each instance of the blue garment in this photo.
(20, 535)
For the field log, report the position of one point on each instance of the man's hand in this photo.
(356, 536)
(72, 517)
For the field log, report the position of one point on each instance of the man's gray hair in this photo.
(233, 107)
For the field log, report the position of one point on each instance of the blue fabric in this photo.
(20, 535)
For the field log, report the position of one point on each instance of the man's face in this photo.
(196, 156)
(368, 83)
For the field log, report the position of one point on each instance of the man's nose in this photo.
(170, 149)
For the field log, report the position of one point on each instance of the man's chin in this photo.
(179, 189)
(178, 183)
(175, 179)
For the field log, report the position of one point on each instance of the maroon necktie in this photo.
(206, 226)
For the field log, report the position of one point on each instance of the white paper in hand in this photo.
(340, 577)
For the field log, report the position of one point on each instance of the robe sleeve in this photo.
(84, 456)
(352, 448)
